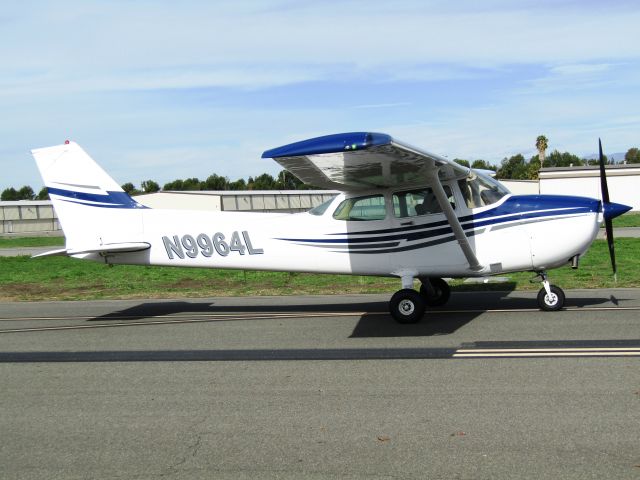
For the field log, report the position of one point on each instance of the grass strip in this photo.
(62, 278)
(631, 219)
(17, 242)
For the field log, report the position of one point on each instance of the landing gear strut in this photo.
(550, 297)
(435, 291)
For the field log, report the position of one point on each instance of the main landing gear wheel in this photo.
(407, 306)
(553, 302)
(438, 295)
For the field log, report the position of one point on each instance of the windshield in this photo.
(480, 190)
(320, 209)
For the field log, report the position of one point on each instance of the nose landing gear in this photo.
(550, 297)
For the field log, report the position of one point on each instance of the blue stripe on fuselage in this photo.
(515, 208)
(525, 205)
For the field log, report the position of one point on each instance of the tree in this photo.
(632, 155)
(596, 161)
(9, 195)
(176, 185)
(565, 159)
(149, 186)
(192, 184)
(541, 144)
(514, 168)
(288, 181)
(26, 193)
(483, 165)
(216, 182)
(43, 194)
(464, 163)
(182, 185)
(533, 169)
(128, 187)
(263, 182)
(238, 185)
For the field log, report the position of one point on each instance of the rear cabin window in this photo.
(419, 202)
(361, 209)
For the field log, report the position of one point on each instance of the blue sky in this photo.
(164, 90)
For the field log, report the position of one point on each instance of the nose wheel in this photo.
(550, 297)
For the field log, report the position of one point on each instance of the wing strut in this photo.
(441, 196)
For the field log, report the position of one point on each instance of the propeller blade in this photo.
(608, 225)
(608, 222)
(603, 177)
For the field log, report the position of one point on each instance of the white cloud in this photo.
(549, 67)
(182, 45)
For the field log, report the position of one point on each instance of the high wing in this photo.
(362, 160)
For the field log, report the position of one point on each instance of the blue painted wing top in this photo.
(360, 161)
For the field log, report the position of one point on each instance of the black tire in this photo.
(556, 302)
(407, 306)
(440, 294)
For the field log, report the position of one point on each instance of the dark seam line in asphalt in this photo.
(554, 344)
(321, 354)
(249, 315)
(227, 355)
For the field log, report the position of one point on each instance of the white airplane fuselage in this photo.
(533, 232)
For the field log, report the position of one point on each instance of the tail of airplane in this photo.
(96, 215)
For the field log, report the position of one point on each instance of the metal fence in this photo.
(27, 217)
(38, 217)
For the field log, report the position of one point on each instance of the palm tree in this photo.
(541, 144)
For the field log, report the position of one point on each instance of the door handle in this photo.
(410, 222)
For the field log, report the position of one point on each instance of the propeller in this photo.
(610, 211)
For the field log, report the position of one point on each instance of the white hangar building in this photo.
(623, 182)
(26, 217)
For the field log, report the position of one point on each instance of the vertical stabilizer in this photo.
(92, 208)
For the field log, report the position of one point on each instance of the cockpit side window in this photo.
(419, 202)
(479, 190)
(371, 207)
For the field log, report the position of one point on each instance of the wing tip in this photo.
(337, 142)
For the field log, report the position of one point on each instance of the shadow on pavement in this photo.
(154, 309)
(375, 322)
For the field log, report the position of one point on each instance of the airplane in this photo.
(401, 212)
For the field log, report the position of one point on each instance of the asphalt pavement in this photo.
(321, 387)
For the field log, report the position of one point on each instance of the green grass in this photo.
(631, 219)
(15, 242)
(595, 269)
(61, 278)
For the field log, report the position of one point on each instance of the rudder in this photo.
(91, 207)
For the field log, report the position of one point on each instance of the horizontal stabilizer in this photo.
(106, 249)
(51, 253)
